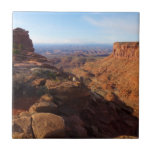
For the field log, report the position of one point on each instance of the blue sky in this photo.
(78, 28)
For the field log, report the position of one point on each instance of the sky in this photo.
(78, 28)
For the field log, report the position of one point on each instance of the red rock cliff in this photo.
(21, 40)
(127, 50)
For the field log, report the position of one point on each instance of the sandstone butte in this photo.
(21, 40)
(128, 50)
(65, 109)
(23, 49)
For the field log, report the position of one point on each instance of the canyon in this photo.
(115, 75)
(96, 99)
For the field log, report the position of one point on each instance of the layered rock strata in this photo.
(127, 50)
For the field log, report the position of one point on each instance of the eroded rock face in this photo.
(128, 50)
(21, 40)
(47, 125)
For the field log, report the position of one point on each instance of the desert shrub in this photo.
(52, 75)
(22, 89)
(41, 90)
(109, 77)
(20, 47)
(57, 79)
(17, 48)
(44, 73)
(16, 51)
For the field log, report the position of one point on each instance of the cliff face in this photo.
(127, 50)
(21, 40)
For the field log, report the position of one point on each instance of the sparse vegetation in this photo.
(17, 49)
(45, 73)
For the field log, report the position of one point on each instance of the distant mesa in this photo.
(22, 41)
(127, 50)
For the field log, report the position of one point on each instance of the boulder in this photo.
(47, 125)
(50, 83)
(46, 97)
(24, 114)
(38, 82)
(22, 127)
(42, 106)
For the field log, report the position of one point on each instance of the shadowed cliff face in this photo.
(21, 40)
(127, 50)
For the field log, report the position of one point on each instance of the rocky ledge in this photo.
(126, 50)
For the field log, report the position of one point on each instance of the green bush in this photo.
(16, 51)
(17, 48)
(41, 90)
(52, 75)
(45, 74)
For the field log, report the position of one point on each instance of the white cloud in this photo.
(115, 25)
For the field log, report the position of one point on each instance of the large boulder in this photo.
(22, 127)
(47, 125)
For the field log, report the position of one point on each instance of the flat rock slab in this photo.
(47, 125)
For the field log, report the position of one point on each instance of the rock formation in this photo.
(47, 125)
(21, 40)
(128, 50)
(23, 47)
